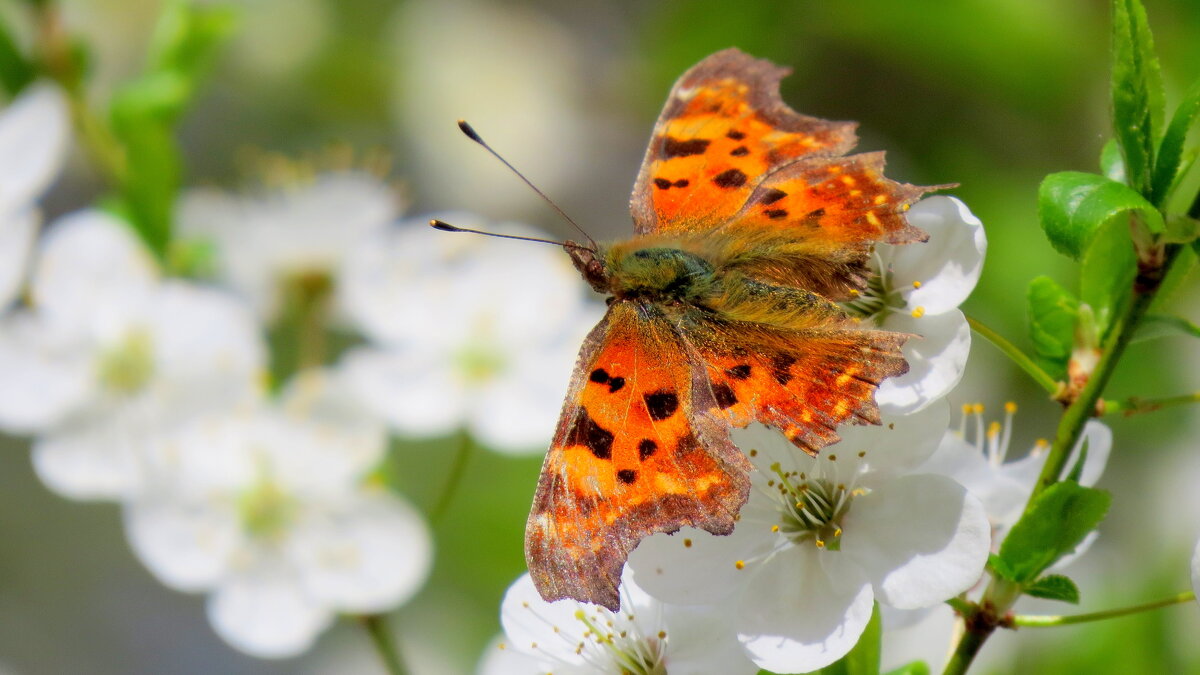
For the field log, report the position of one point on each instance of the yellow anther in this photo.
(977, 408)
(916, 284)
(918, 312)
(687, 543)
(820, 543)
(993, 428)
(837, 532)
(774, 528)
(741, 564)
(967, 408)
(1010, 407)
(662, 635)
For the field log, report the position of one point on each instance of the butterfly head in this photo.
(645, 271)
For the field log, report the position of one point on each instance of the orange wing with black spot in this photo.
(641, 447)
(727, 150)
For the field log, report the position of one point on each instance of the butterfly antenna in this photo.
(447, 227)
(473, 135)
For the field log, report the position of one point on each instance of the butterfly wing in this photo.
(791, 359)
(723, 129)
(640, 448)
(728, 153)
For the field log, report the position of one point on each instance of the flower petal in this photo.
(948, 265)
(499, 658)
(794, 618)
(407, 388)
(90, 456)
(33, 143)
(701, 640)
(936, 360)
(368, 554)
(898, 445)
(186, 545)
(46, 375)
(17, 231)
(90, 268)
(261, 610)
(921, 539)
(537, 627)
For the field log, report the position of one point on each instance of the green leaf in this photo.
(913, 668)
(1170, 151)
(1054, 587)
(1073, 206)
(999, 568)
(864, 658)
(16, 72)
(1108, 271)
(187, 37)
(1053, 313)
(1137, 91)
(1112, 165)
(1053, 525)
(1155, 326)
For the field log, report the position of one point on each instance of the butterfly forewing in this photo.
(639, 449)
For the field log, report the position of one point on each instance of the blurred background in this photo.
(990, 95)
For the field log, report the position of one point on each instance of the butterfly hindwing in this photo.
(639, 449)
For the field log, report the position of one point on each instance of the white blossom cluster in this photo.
(151, 390)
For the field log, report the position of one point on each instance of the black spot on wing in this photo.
(775, 214)
(646, 448)
(781, 368)
(587, 433)
(739, 372)
(682, 182)
(735, 134)
(627, 476)
(730, 179)
(724, 395)
(662, 183)
(740, 151)
(615, 384)
(771, 196)
(674, 147)
(661, 404)
(599, 375)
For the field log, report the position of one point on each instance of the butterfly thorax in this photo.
(649, 271)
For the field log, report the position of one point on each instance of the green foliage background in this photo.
(991, 95)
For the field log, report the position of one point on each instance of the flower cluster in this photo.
(244, 447)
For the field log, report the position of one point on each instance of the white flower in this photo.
(526, 93)
(646, 637)
(821, 538)
(268, 510)
(33, 142)
(918, 290)
(108, 356)
(467, 331)
(1004, 486)
(296, 232)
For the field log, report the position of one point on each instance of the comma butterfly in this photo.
(751, 224)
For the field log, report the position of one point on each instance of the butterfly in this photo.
(751, 224)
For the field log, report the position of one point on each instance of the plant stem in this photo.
(1018, 357)
(381, 638)
(457, 470)
(1043, 621)
(1000, 595)
(1135, 405)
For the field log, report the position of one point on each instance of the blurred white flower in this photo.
(299, 231)
(272, 511)
(981, 465)
(646, 636)
(822, 538)
(918, 289)
(466, 330)
(33, 142)
(108, 356)
(509, 69)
